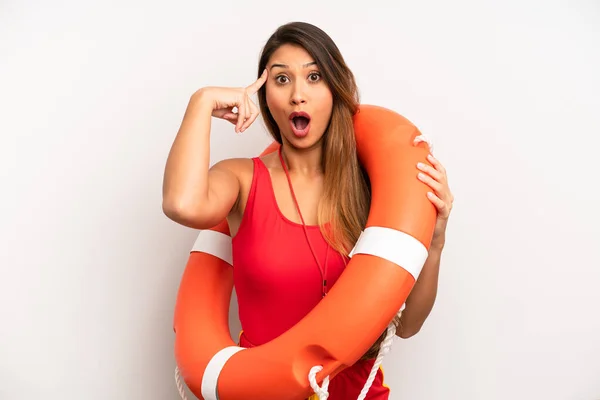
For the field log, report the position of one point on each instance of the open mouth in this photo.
(300, 122)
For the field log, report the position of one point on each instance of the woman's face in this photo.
(297, 96)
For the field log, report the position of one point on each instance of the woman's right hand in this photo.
(224, 100)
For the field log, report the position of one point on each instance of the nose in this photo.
(297, 96)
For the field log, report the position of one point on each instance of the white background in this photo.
(92, 94)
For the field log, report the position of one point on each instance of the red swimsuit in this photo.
(278, 281)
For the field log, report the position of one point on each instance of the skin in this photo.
(199, 197)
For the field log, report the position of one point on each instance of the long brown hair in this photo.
(346, 198)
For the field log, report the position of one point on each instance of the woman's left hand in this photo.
(435, 177)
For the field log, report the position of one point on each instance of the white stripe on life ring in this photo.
(213, 370)
(215, 243)
(394, 246)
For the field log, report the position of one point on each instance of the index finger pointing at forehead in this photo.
(253, 88)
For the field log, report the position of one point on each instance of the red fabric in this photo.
(278, 281)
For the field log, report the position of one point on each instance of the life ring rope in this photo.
(320, 391)
(386, 346)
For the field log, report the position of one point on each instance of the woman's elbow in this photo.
(173, 208)
(180, 214)
(198, 217)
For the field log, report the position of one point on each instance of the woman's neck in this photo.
(303, 161)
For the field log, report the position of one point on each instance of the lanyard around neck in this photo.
(322, 270)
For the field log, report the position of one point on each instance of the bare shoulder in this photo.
(242, 171)
(227, 176)
(241, 168)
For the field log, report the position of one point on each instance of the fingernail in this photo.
(429, 194)
(421, 176)
(430, 157)
(420, 165)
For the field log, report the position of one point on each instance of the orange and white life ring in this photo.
(384, 266)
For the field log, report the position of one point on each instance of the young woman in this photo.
(295, 214)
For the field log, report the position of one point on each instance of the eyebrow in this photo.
(286, 66)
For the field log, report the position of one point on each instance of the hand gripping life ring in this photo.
(384, 266)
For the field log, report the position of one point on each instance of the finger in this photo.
(435, 162)
(438, 203)
(435, 174)
(435, 185)
(253, 88)
(220, 112)
(248, 114)
(253, 115)
(231, 117)
(241, 117)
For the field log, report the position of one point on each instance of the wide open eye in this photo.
(281, 79)
(314, 77)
